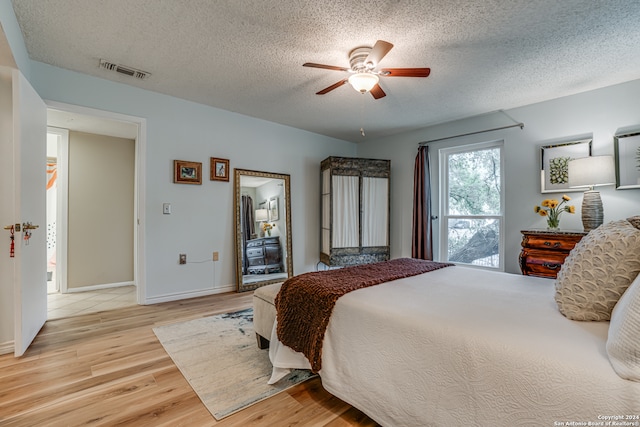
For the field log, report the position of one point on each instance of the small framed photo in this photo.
(187, 172)
(554, 170)
(219, 169)
(274, 215)
(627, 154)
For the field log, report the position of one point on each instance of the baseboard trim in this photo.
(97, 287)
(186, 295)
(7, 347)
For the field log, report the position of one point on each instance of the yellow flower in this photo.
(552, 209)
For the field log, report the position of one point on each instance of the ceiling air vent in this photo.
(122, 69)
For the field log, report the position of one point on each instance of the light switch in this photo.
(166, 208)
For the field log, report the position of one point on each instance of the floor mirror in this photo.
(262, 208)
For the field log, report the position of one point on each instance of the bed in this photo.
(466, 346)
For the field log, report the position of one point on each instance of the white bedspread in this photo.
(467, 347)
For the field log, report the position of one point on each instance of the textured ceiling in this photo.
(246, 55)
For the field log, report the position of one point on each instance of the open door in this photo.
(26, 200)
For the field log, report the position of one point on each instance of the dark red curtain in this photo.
(421, 242)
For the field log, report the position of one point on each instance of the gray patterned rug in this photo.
(220, 359)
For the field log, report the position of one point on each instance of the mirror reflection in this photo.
(263, 238)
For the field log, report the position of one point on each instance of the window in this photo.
(471, 209)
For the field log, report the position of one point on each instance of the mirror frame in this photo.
(238, 173)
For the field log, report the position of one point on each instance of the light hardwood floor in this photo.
(108, 369)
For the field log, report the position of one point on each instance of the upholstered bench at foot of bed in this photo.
(264, 312)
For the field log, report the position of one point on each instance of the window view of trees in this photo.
(474, 209)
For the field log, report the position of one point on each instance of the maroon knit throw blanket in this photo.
(305, 302)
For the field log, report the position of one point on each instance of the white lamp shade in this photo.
(363, 82)
(262, 215)
(592, 171)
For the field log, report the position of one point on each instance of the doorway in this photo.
(57, 142)
(79, 284)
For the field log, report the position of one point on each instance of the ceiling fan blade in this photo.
(379, 50)
(332, 87)
(405, 72)
(377, 92)
(326, 67)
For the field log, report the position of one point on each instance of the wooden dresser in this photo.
(264, 255)
(543, 251)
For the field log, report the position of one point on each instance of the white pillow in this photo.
(623, 343)
(598, 270)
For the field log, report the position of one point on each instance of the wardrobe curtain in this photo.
(375, 212)
(346, 225)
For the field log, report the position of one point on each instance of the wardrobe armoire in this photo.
(355, 211)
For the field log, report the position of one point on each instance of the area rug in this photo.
(220, 359)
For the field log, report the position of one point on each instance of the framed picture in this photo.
(187, 172)
(219, 169)
(273, 209)
(554, 173)
(627, 154)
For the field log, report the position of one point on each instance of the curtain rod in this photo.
(518, 124)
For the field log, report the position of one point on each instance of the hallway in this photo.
(73, 304)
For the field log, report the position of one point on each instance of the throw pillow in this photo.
(635, 221)
(598, 270)
(623, 346)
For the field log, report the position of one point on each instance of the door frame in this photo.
(139, 273)
(62, 213)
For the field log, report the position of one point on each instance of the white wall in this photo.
(100, 209)
(202, 215)
(601, 113)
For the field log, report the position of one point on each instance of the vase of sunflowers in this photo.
(266, 227)
(552, 209)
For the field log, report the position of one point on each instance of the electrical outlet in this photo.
(183, 258)
(215, 256)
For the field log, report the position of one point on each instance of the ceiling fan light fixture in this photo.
(363, 82)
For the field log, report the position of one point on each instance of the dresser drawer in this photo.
(255, 252)
(254, 243)
(566, 243)
(543, 270)
(255, 261)
(538, 263)
(272, 241)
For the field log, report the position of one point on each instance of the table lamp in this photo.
(591, 172)
(262, 215)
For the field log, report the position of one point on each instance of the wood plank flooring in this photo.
(108, 369)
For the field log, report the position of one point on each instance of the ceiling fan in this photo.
(364, 77)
